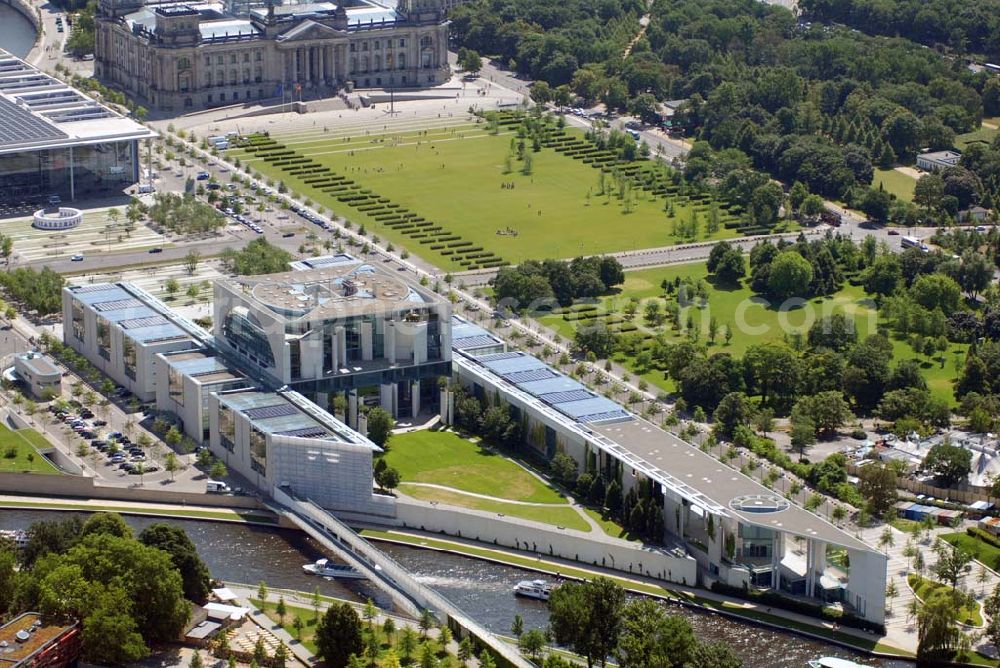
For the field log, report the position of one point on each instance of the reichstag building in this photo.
(183, 56)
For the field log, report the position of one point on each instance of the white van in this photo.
(216, 487)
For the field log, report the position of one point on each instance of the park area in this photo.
(752, 318)
(19, 452)
(464, 195)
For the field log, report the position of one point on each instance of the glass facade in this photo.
(248, 338)
(128, 357)
(227, 428)
(78, 326)
(175, 385)
(757, 542)
(103, 338)
(258, 451)
(97, 169)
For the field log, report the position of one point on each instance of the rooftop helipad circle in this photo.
(759, 503)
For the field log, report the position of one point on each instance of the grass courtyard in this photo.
(980, 549)
(444, 467)
(459, 178)
(752, 318)
(967, 610)
(895, 183)
(19, 452)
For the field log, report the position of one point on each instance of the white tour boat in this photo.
(327, 569)
(835, 662)
(539, 589)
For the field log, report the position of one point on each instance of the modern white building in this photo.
(281, 439)
(38, 373)
(121, 329)
(336, 325)
(55, 140)
(742, 533)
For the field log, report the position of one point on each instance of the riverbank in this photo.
(696, 598)
(186, 512)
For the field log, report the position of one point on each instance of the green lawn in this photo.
(984, 134)
(445, 458)
(754, 321)
(560, 516)
(610, 527)
(981, 550)
(895, 183)
(19, 452)
(967, 613)
(454, 177)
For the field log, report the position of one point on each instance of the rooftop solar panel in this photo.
(520, 363)
(530, 375)
(266, 412)
(118, 304)
(493, 357)
(307, 432)
(144, 322)
(618, 415)
(19, 126)
(97, 287)
(563, 397)
(588, 407)
(473, 342)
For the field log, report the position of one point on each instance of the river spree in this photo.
(17, 35)
(248, 554)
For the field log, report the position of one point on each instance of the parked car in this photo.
(203, 176)
(77, 258)
(100, 423)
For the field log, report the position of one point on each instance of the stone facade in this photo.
(183, 57)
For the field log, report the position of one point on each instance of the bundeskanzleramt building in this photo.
(741, 533)
(202, 54)
(332, 325)
(335, 325)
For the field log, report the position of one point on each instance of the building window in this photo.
(128, 356)
(257, 57)
(248, 338)
(183, 64)
(220, 78)
(232, 59)
(222, 97)
(219, 60)
(354, 47)
(246, 75)
(208, 100)
(258, 74)
(402, 61)
(246, 57)
(258, 451)
(364, 46)
(378, 62)
(175, 385)
(208, 61)
(232, 76)
(78, 326)
(402, 42)
(208, 78)
(378, 44)
(103, 338)
(227, 428)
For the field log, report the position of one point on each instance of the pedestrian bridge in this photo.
(407, 593)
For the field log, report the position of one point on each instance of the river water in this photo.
(17, 35)
(248, 554)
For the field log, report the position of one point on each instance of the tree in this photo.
(652, 638)
(281, 610)
(380, 426)
(587, 617)
(218, 470)
(106, 523)
(886, 539)
(937, 291)
(470, 61)
(257, 257)
(175, 542)
(465, 650)
(532, 643)
(564, 469)
(790, 274)
(952, 564)
(262, 592)
(170, 464)
(950, 463)
(715, 655)
(298, 625)
(338, 635)
(191, 261)
(427, 622)
(803, 434)
(597, 339)
(936, 629)
(827, 410)
(172, 286)
(196, 661)
(734, 410)
(883, 275)
(877, 485)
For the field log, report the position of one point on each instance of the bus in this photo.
(910, 242)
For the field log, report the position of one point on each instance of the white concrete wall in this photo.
(545, 540)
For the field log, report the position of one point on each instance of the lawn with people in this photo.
(467, 186)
